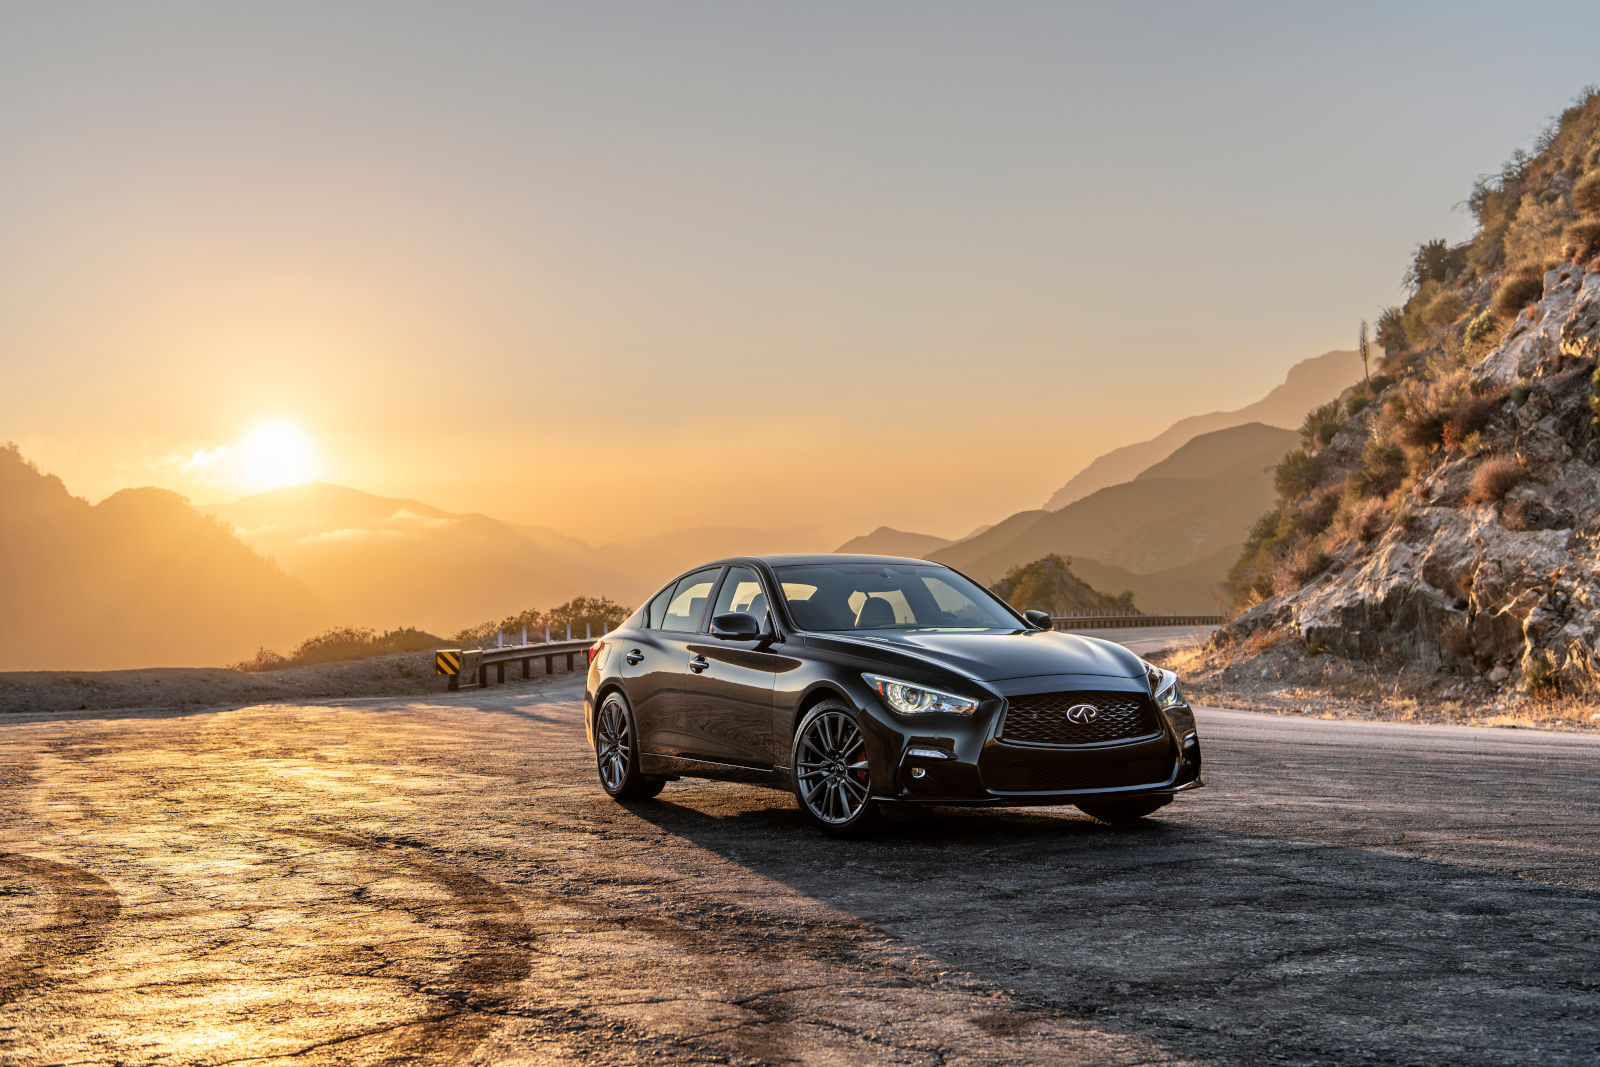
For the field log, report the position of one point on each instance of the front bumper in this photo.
(964, 760)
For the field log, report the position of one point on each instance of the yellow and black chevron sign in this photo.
(447, 661)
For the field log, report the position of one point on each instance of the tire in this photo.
(832, 781)
(616, 752)
(1122, 812)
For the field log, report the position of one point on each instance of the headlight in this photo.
(910, 699)
(1163, 686)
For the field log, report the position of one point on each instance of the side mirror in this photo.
(1039, 619)
(736, 626)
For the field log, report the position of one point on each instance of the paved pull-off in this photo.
(444, 882)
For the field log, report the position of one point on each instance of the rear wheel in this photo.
(616, 753)
(832, 780)
(1117, 812)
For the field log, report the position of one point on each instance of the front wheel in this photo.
(1119, 812)
(616, 753)
(832, 780)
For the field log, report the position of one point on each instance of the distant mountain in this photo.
(389, 561)
(1309, 383)
(141, 578)
(887, 541)
(1182, 519)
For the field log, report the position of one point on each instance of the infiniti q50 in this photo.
(862, 683)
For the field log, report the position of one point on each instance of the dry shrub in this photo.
(1494, 478)
(1522, 287)
(1446, 412)
(1586, 194)
(1455, 638)
(1361, 519)
(1444, 309)
(1582, 240)
(1263, 639)
(1297, 564)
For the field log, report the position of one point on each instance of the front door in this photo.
(727, 690)
(661, 670)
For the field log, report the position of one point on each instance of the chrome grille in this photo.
(1041, 718)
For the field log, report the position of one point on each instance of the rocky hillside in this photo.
(1443, 526)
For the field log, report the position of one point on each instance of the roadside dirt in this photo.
(193, 688)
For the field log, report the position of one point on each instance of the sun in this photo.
(276, 453)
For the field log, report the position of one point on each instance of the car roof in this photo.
(802, 559)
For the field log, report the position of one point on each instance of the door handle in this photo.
(698, 664)
(633, 657)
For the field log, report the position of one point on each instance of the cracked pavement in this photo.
(442, 880)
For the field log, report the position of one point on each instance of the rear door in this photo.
(662, 664)
(727, 694)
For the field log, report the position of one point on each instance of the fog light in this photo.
(919, 772)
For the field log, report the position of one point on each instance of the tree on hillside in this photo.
(1434, 261)
(1364, 346)
(1049, 585)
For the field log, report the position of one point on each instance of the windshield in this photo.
(835, 597)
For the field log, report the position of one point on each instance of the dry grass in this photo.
(1494, 478)
(1582, 240)
(1586, 194)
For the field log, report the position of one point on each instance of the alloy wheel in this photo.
(615, 744)
(832, 768)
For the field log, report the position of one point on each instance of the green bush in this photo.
(1383, 468)
(1391, 331)
(1481, 328)
(1519, 393)
(1297, 474)
(1320, 425)
(1356, 403)
(1522, 287)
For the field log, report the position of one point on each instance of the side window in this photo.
(741, 591)
(688, 603)
(658, 608)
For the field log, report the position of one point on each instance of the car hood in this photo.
(1001, 655)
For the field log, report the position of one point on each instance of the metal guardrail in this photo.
(454, 662)
(1113, 622)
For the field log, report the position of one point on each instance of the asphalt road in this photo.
(443, 881)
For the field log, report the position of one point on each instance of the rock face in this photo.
(1504, 588)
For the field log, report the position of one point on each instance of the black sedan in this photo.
(866, 682)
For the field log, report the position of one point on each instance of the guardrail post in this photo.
(525, 661)
(483, 675)
(549, 663)
(500, 672)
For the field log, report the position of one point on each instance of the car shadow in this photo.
(1221, 945)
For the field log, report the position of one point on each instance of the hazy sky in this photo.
(619, 268)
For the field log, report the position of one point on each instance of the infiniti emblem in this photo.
(1083, 713)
